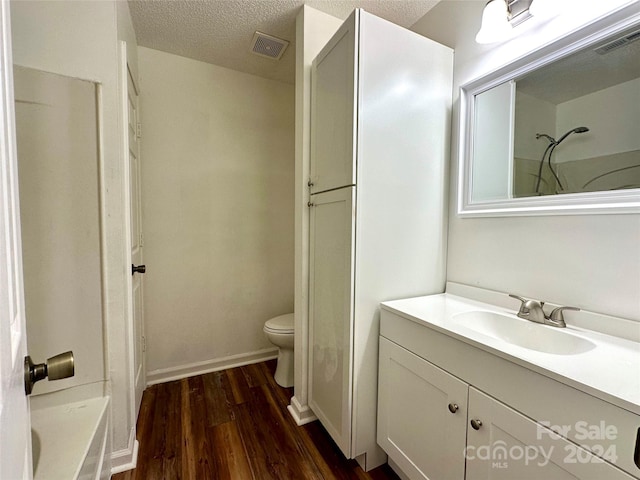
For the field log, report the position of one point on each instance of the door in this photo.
(503, 444)
(135, 225)
(332, 231)
(333, 110)
(15, 429)
(422, 415)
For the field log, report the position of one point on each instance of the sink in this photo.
(523, 333)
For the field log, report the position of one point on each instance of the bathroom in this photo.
(203, 308)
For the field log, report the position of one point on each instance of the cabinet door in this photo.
(333, 111)
(416, 427)
(510, 446)
(331, 312)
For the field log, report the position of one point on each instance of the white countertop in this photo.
(610, 371)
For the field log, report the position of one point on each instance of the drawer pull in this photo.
(476, 424)
(453, 407)
(636, 455)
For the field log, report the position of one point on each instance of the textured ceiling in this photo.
(584, 72)
(220, 31)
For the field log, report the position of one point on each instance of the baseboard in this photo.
(213, 365)
(301, 414)
(125, 459)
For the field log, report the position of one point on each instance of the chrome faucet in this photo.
(532, 310)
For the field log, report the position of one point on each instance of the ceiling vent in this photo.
(268, 46)
(620, 42)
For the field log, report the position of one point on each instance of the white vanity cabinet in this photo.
(381, 101)
(422, 415)
(448, 410)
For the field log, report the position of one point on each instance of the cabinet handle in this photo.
(453, 407)
(476, 424)
(310, 204)
(310, 183)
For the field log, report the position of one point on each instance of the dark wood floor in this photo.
(234, 425)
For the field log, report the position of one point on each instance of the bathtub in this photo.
(70, 439)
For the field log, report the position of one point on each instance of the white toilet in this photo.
(279, 331)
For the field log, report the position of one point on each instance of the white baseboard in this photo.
(301, 414)
(213, 365)
(125, 459)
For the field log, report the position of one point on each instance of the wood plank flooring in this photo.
(234, 425)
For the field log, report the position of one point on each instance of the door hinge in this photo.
(141, 240)
(138, 130)
(144, 343)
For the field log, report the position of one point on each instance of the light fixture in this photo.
(499, 17)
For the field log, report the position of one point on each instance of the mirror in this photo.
(557, 132)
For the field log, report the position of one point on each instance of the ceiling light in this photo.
(499, 17)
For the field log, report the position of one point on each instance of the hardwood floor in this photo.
(234, 425)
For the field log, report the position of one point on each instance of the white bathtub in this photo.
(69, 440)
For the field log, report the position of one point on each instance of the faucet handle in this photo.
(556, 313)
(527, 303)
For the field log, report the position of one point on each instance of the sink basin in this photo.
(523, 333)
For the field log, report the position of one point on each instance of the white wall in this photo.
(80, 39)
(313, 30)
(611, 114)
(589, 261)
(56, 130)
(217, 193)
(533, 116)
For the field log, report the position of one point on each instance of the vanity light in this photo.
(499, 17)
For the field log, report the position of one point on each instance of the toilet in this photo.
(279, 331)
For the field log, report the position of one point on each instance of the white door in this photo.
(331, 312)
(333, 109)
(135, 224)
(15, 428)
(422, 415)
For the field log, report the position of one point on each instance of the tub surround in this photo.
(70, 439)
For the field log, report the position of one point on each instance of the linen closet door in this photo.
(332, 232)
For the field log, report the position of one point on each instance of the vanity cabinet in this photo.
(439, 426)
(422, 415)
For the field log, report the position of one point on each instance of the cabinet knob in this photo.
(310, 204)
(310, 183)
(453, 407)
(476, 424)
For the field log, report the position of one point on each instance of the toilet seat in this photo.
(280, 325)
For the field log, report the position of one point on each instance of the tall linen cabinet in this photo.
(380, 132)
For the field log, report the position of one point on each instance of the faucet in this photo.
(532, 310)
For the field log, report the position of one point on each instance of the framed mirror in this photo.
(557, 131)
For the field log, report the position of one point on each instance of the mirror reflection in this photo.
(571, 126)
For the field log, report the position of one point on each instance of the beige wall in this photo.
(217, 190)
(589, 261)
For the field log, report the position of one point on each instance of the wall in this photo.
(56, 130)
(313, 30)
(590, 261)
(80, 39)
(612, 115)
(217, 193)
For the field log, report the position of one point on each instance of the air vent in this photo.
(268, 46)
(620, 42)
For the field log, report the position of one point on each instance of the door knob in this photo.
(476, 424)
(56, 368)
(138, 268)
